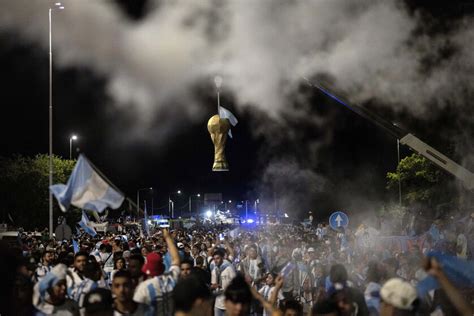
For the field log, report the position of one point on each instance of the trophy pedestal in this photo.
(220, 166)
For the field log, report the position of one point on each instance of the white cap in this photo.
(398, 293)
(310, 249)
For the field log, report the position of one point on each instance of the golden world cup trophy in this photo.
(219, 127)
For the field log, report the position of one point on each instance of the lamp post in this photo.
(171, 203)
(399, 180)
(138, 198)
(190, 201)
(59, 6)
(73, 137)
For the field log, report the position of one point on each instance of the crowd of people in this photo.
(222, 270)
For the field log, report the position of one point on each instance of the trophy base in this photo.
(220, 166)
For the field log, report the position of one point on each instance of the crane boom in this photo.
(406, 138)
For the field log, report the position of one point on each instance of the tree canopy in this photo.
(24, 188)
(422, 182)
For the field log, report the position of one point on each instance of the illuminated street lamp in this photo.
(73, 137)
(171, 204)
(190, 202)
(56, 6)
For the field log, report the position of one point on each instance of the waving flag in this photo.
(75, 245)
(86, 189)
(84, 223)
(224, 113)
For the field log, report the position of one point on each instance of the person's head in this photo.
(57, 293)
(344, 301)
(80, 260)
(98, 302)
(338, 274)
(218, 256)
(374, 272)
(292, 308)
(237, 297)
(192, 297)
(117, 243)
(398, 297)
(252, 252)
(145, 251)
(195, 250)
(324, 308)
(54, 284)
(119, 263)
(92, 271)
(122, 287)
(270, 279)
(154, 265)
(186, 267)
(311, 253)
(48, 257)
(135, 264)
(199, 261)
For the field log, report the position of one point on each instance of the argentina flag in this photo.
(226, 114)
(84, 224)
(86, 189)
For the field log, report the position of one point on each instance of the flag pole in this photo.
(218, 83)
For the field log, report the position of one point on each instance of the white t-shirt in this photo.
(160, 284)
(226, 277)
(267, 292)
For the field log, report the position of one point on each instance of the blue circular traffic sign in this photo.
(338, 220)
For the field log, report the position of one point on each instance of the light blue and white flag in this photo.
(84, 223)
(234, 233)
(86, 189)
(75, 246)
(224, 113)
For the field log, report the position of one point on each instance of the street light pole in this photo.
(171, 204)
(190, 203)
(399, 180)
(50, 127)
(73, 137)
(50, 14)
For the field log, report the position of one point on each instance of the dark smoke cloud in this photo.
(373, 50)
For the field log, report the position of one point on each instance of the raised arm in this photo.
(276, 290)
(175, 260)
(456, 298)
(267, 305)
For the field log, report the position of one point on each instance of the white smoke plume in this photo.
(262, 48)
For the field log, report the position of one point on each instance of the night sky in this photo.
(353, 155)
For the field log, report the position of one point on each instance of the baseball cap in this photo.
(310, 249)
(154, 265)
(398, 293)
